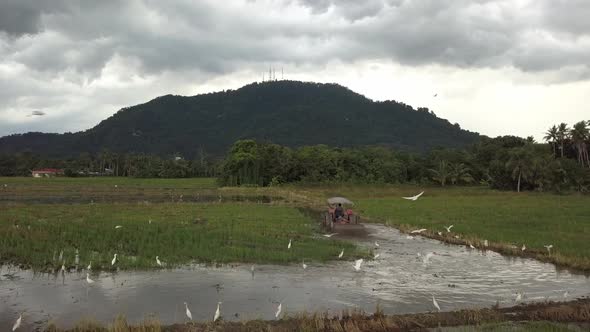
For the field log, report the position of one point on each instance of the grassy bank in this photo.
(34, 235)
(533, 317)
(505, 219)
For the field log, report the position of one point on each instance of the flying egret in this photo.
(357, 264)
(341, 254)
(523, 247)
(279, 309)
(118, 226)
(89, 267)
(449, 228)
(17, 323)
(158, 261)
(188, 312)
(289, 246)
(548, 247)
(330, 235)
(435, 303)
(88, 280)
(413, 198)
(376, 244)
(304, 265)
(376, 256)
(418, 231)
(114, 260)
(217, 312)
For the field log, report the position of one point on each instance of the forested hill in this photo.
(289, 113)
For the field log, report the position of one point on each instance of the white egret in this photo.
(279, 309)
(118, 226)
(61, 255)
(548, 247)
(376, 256)
(449, 228)
(289, 246)
(426, 258)
(566, 294)
(89, 267)
(376, 244)
(252, 269)
(88, 280)
(158, 261)
(114, 260)
(471, 246)
(188, 312)
(435, 303)
(485, 243)
(357, 264)
(150, 221)
(418, 231)
(17, 323)
(63, 267)
(304, 265)
(217, 312)
(413, 198)
(409, 237)
(439, 233)
(341, 254)
(330, 235)
(518, 297)
(523, 247)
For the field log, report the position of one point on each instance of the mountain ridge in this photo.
(290, 113)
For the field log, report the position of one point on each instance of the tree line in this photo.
(559, 164)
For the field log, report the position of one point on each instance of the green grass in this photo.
(241, 232)
(506, 218)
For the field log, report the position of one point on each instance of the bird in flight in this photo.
(418, 231)
(413, 198)
(548, 247)
(330, 235)
(449, 228)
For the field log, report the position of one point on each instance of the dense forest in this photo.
(508, 163)
(288, 113)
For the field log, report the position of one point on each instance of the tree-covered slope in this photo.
(289, 113)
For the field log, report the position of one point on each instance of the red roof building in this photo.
(46, 172)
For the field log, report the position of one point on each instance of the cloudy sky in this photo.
(498, 66)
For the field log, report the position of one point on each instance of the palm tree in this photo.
(580, 134)
(519, 164)
(552, 136)
(562, 135)
(442, 173)
(460, 173)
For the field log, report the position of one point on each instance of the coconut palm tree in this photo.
(519, 164)
(580, 135)
(551, 136)
(442, 173)
(562, 135)
(460, 173)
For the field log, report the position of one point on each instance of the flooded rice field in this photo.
(403, 279)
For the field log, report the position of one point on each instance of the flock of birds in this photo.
(356, 266)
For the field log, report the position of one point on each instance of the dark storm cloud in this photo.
(85, 35)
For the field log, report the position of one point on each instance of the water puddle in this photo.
(399, 281)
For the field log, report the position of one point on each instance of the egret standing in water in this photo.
(17, 323)
(88, 280)
(523, 247)
(435, 303)
(158, 261)
(304, 265)
(89, 267)
(341, 254)
(279, 308)
(217, 312)
(114, 260)
(188, 312)
(357, 264)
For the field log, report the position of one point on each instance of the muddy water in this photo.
(399, 281)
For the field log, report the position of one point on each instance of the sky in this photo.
(498, 67)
